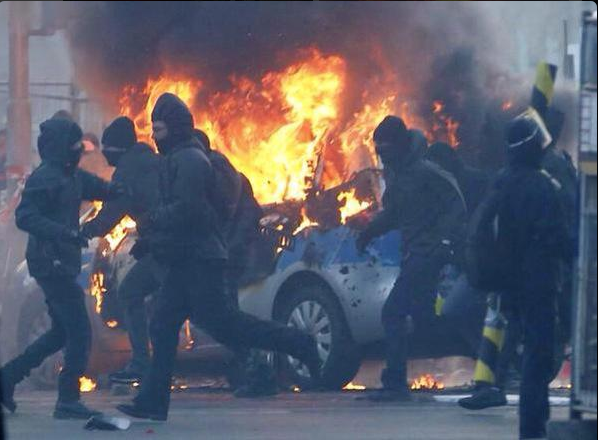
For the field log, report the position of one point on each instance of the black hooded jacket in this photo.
(49, 207)
(186, 223)
(532, 225)
(423, 202)
(138, 170)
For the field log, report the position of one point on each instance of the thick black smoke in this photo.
(442, 50)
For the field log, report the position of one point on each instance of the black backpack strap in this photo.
(448, 177)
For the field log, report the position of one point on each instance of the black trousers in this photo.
(197, 290)
(142, 280)
(251, 367)
(70, 330)
(412, 294)
(537, 313)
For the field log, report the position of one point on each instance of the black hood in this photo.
(171, 110)
(524, 143)
(117, 139)
(55, 139)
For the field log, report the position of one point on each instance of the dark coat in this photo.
(532, 227)
(186, 223)
(424, 203)
(49, 207)
(139, 171)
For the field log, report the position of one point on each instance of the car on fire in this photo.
(305, 271)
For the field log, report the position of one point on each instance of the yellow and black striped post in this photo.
(543, 90)
(493, 338)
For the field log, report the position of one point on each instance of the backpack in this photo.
(487, 260)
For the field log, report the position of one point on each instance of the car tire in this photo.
(34, 321)
(318, 309)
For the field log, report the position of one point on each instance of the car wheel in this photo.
(34, 321)
(313, 309)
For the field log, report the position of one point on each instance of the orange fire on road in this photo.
(86, 385)
(426, 382)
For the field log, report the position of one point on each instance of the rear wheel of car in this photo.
(34, 321)
(313, 309)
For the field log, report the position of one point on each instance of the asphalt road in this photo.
(215, 414)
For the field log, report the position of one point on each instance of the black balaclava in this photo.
(59, 142)
(524, 143)
(442, 154)
(393, 142)
(171, 110)
(117, 138)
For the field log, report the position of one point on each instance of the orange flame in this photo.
(86, 385)
(437, 106)
(426, 382)
(119, 232)
(188, 336)
(289, 131)
(444, 126)
(306, 222)
(97, 289)
(112, 323)
(354, 387)
(352, 205)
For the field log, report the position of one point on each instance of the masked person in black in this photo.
(532, 228)
(186, 236)
(558, 166)
(49, 212)
(241, 214)
(425, 204)
(137, 168)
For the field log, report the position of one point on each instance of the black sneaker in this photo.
(486, 397)
(125, 376)
(133, 410)
(73, 410)
(389, 395)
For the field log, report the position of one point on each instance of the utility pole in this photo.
(19, 105)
